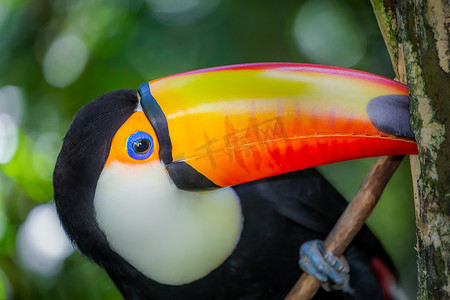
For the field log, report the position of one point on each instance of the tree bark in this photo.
(417, 36)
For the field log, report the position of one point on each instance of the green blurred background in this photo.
(56, 56)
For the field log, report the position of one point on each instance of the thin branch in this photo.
(351, 220)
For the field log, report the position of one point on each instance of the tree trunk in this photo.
(417, 36)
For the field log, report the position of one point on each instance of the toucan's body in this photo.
(142, 183)
(264, 264)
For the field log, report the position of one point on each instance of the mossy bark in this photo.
(417, 36)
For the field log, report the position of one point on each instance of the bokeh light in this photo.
(11, 102)
(8, 138)
(65, 60)
(181, 12)
(327, 33)
(41, 242)
(11, 107)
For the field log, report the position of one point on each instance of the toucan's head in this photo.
(142, 176)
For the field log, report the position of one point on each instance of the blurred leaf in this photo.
(35, 182)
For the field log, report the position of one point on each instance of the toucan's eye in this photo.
(140, 145)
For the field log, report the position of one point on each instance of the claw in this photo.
(333, 272)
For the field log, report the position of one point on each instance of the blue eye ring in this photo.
(140, 145)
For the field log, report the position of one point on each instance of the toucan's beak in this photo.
(228, 125)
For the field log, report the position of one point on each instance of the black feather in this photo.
(79, 164)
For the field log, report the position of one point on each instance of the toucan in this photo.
(199, 185)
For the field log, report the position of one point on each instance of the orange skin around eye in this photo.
(118, 152)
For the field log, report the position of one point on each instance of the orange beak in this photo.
(229, 125)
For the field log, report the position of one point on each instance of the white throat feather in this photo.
(172, 236)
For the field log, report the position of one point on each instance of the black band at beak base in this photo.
(159, 122)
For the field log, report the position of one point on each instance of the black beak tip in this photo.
(390, 114)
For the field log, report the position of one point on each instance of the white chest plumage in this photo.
(170, 235)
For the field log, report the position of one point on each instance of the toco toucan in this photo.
(190, 188)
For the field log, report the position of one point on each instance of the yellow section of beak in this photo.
(236, 125)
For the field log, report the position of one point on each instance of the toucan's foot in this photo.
(324, 266)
